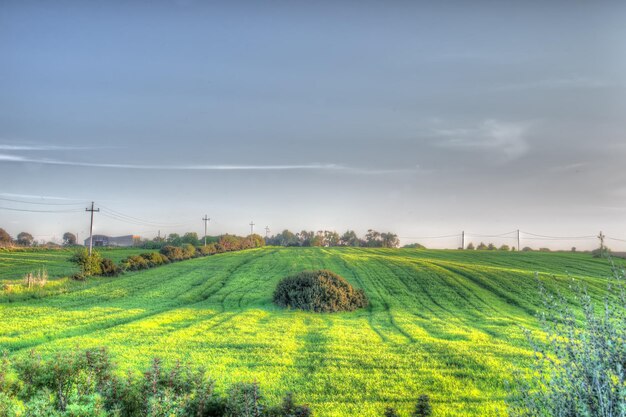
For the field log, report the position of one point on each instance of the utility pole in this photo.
(601, 237)
(206, 219)
(251, 227)
(463, 239)
(267, 231)
(518, 240)
(91, 227)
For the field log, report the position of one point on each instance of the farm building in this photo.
(102, 240)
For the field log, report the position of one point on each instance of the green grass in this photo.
(16, 263)
(442, 323)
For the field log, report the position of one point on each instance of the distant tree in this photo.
(373, 239)
(544, 249)
(481, 246)
(470, 246)
(190, 238)
(69, 239)
(25, 239)
(389, 240)
(602, 252)
(5, 238)
(573, 248)
(318, 239)
(414, 246)
(349, 238)
(527, 249)
(505, 248)
(331, 238)
(491, 246)
(174, 239)
(305, 238)
(513, 249)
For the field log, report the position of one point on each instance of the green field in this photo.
(442, 323)
(14, 264)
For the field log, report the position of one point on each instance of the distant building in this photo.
(102, 240)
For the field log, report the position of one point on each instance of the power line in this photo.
(40, 211)
(40, 203)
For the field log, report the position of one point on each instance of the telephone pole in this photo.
(518, 240)
(91, 227)
(267, 231)
(251, 227)
(601, 237)
(206, 219)
(463, 239)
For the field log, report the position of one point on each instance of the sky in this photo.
(417, 118)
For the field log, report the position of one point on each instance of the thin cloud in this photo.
(555, 83)
(4, 147)
(216, 167)
(508, 139)
(41, 197)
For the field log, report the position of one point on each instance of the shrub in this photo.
(580, 365)
(189, 251)
(135, 263)
(209, 249)
(289, 408)
(319, 291)
(109, 268)
(173, 253)
(89, 264)
(244, 400)
(423, 408)
(39, 278)
(391, 412)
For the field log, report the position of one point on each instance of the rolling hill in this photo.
(442, 323)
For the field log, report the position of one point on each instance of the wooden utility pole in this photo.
(251, 227)
(206, 219)
(601, 237)
(463, 239)
(518, 240)
(91, 227)
(267, 231)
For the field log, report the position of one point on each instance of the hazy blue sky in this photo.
(415, 118)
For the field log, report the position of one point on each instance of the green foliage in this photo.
(445, 323)
(5, 238)
(423, 407)
(470, 246)
(89, 264)
(69, 239)
(415, 246)
(320, 291)
(25, 239)
(391, 412)
(580, 370)
(244, 400)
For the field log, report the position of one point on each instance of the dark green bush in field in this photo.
(423, 408)
(89, 264)
(580, 368)
(391, 412)
(108, 268)
(320, 291)
(173, 253)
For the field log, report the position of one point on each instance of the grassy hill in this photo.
(443, 323)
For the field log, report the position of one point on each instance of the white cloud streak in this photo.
(505, 138)
(201, 167)
(45, 148)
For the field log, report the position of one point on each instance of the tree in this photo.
(505, 248)
(389, 240)
(423, 408)
(190, 238)
(174, 239)
(491, 246)
(25, 239)
(349, 238)
(5, 238)
(373, 239)
(470, 246)
(481, 246)
(331, 238)
(527, 249)
(69, 239)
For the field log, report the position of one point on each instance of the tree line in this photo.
(372, 239)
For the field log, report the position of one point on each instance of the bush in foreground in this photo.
(580, 368)
(320, 291)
